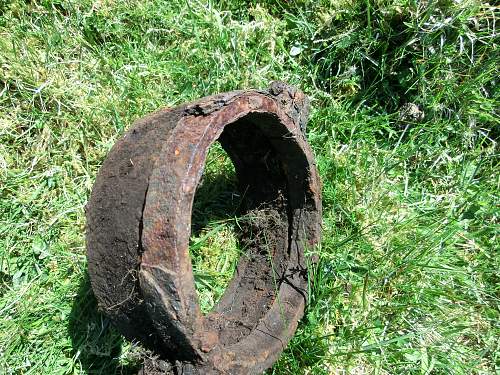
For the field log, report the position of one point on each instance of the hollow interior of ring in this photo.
(271, 170)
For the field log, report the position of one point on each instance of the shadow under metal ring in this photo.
(139, 225)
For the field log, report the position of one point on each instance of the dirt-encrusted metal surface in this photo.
(139, 224)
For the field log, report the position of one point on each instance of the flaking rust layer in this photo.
(139, 224)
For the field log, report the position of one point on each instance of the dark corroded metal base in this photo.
(139, 224)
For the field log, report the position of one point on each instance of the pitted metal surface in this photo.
(139, 225)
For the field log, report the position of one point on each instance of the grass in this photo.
(214, 245)
(408, 276)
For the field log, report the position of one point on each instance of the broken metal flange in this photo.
(139, 224)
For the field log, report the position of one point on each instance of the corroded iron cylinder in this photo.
(139, 225)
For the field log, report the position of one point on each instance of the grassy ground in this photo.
(405, 127)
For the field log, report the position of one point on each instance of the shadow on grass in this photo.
(97, 346)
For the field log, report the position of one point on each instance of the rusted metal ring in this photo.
(139, 224)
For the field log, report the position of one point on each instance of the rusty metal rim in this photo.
(166, 284)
